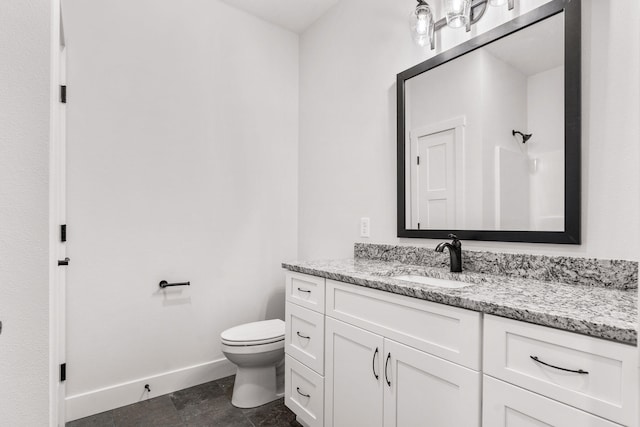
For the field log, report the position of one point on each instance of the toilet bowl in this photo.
(258, 351)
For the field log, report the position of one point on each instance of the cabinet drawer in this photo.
(448, 332)
(305, 290)
(505, 405)
(304, 392)
(304, 336)
(607, 390)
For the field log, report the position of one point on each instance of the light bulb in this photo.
(421, 24)
(457, 12)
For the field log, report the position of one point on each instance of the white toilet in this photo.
(258, 350)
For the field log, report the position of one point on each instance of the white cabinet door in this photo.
(424, 390)
(353, 376)
(505, 405)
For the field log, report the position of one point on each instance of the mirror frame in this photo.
(572, 127)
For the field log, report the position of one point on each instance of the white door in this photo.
(353, 376)
(435, 168)
(424, 390)
(505, 405)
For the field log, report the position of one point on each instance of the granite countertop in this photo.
(590, 310)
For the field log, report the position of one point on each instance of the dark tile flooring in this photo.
(203, 406)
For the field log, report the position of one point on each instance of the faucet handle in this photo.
(453, 236)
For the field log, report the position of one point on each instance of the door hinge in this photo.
(63, 372)
(418, 159)
(63, 233)
(63, 94)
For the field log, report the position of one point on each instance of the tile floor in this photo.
(203, 406)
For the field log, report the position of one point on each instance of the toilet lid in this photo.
(262, 332)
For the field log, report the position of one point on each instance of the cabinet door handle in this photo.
(386, 363)
(373, 362)
(575, 371)
(302, 336)
(301, 393)
(304, 290)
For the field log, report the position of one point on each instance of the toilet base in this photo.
(254, 386)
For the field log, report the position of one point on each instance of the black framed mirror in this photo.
(489, 134)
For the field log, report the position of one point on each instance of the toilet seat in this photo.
(253, 349)
(255, 333)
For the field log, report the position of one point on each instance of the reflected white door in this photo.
(435, 179)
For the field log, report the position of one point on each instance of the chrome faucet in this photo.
(455, 253)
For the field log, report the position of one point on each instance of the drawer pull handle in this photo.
(386, 363)
(373, 362)
(578, 371)
(302, 336)
(301, 393)
(304, 290)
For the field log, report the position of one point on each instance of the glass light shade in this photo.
(497, 2)
(457, 12)
(422, 25)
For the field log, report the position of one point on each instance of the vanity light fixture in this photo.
(458, 13)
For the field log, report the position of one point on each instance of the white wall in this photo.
(349, 60)
(24, 133)
(182, 165)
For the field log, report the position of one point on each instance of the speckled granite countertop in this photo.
(591, 310)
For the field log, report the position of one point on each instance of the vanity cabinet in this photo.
(378, 370)
(582, 377)
(357, 356)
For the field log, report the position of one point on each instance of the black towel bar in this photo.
(165, 284)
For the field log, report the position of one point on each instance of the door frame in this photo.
(57, 214)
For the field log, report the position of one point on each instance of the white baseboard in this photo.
(104, 399)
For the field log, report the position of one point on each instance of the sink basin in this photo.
(423, 280)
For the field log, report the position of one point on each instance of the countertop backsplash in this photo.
(615, 274)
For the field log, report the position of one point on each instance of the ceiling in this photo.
(294, 15)
(537, 48)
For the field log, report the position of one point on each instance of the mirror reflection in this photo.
(485, 136)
